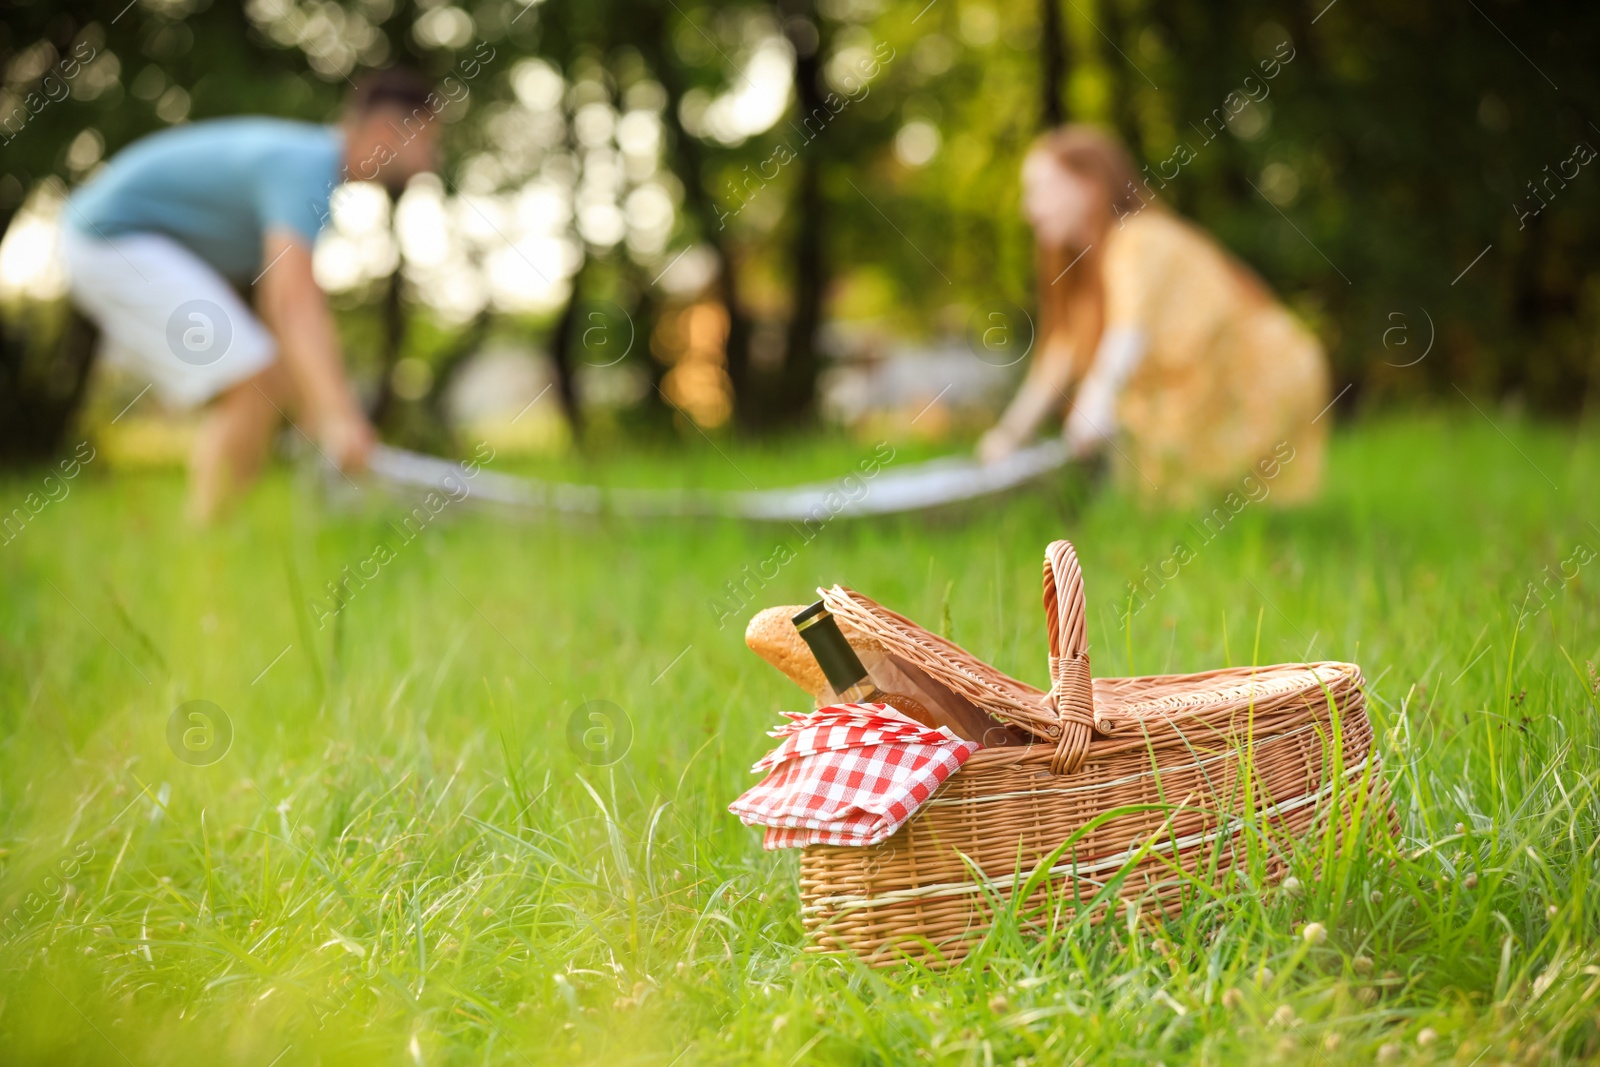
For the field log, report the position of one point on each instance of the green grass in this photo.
(400, 859)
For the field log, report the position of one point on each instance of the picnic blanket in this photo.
(896, 489)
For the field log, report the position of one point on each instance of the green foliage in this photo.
(1409, 173)
(400, 858)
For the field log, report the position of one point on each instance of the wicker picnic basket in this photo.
(1201, 771)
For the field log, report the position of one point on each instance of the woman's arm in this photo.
(1093, 420)
(1043, 390)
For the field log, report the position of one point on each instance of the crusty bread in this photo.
(772, 636)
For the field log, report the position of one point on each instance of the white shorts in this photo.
(166, 314)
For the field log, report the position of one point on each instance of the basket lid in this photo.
(1003, 697)
(1078, 707)
(1064, 715)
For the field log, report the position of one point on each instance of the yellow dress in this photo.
(1228, 395)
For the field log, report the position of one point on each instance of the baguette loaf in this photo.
(772, 636)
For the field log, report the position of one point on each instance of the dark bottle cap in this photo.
(838, 660)
(810, 615)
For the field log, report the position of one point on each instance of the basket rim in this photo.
(1192, 695)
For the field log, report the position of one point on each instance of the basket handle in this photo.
(1071, 689)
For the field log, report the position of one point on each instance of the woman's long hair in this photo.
(1072, 301)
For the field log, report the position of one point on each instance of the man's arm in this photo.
(296, 311)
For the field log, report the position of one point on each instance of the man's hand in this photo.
(347, 439)
(296, 310)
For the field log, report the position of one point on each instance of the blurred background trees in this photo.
(694, 209)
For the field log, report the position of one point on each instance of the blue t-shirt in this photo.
(216, 187)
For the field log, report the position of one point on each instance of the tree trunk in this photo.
(394, 340)
(42, 380)
(466, 343)
(1124, 80)
(795, 392)
(1052, 65)
(689, 158)
(561, 348)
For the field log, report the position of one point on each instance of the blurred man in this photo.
(161, 242)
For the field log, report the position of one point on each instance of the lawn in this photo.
(402, 858)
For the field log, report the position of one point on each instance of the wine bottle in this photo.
(844, 670)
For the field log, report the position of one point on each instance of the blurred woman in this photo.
(1188, 374)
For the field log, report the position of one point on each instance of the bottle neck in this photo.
(839, 662)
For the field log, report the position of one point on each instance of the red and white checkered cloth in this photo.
(848, 774)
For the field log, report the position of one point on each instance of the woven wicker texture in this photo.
(1205, 762)
(963, 673)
